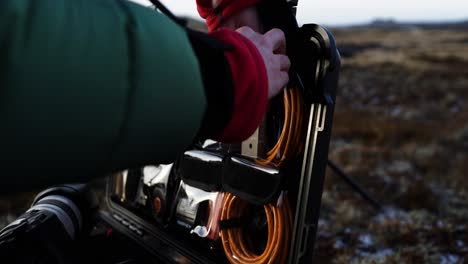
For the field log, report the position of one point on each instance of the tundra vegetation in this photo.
(401, 131)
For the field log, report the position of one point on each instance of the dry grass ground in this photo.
(401, 130)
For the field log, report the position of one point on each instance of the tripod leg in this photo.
(355, 186)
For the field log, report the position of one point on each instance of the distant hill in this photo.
(393, 24)
(199, 24)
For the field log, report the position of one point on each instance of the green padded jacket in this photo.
(79, 96)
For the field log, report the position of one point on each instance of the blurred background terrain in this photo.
(401, 131)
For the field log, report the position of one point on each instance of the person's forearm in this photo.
(250, 83)
(258, 62)
(88, 87)
(236, 84)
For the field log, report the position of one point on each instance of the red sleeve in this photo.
(250, 83)
(224, 9)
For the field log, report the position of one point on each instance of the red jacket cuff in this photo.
(250, 82)
(214, 16)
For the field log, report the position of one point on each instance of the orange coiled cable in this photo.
(289, 142)
(279, 218)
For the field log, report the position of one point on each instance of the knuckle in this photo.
(278, 32)
(265, 41)
(245, 31)
(248, 29)
(284, 60)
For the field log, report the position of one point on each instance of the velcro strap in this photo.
(233, 223)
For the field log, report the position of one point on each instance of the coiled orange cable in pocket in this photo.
(289, 142)
(279, 216)
(279, 219)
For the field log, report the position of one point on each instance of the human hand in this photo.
(272, 47)
(247, 17)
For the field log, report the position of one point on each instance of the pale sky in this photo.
(342, 12)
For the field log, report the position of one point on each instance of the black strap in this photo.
(161, 7)
(233, 223)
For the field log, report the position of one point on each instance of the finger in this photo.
(285, 63)
(277, 40)
(282, 79)
(247, 32)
